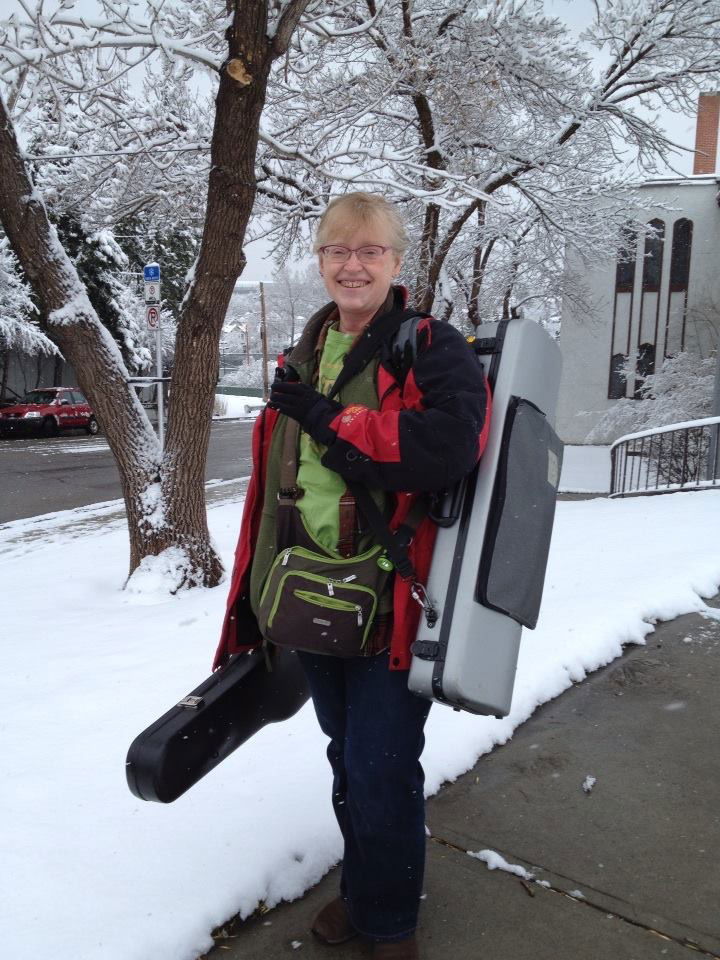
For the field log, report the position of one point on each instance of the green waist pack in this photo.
(323, 604)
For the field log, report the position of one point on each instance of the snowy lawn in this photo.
(585, 469)
(94, 874)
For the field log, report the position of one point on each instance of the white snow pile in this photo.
(588, 783)
(585, 469)
(495, 861)
(229, 407)
(94, 874)
(161, 575)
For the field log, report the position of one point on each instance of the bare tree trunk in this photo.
(5, 372)
(73, 325)
(58, 371)
(480, 259)
(164, 495)
(506, 310)
(424, 292)
(231, 195)
(447, 311)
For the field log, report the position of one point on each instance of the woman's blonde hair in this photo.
(348, 213)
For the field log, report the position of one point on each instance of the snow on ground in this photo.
(496, 862)
(94, 874)
(585, 469)
(236, 406)
(43, 447)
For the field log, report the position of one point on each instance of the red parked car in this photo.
(48, 411)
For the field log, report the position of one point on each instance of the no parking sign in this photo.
(152, 317)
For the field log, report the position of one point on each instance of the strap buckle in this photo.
(192, 702)
(426, 649)
(419, 595)
(290, 493)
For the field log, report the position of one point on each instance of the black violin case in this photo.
(194, 736)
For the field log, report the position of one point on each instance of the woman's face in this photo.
(359, 289)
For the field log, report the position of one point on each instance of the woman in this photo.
(398, 432)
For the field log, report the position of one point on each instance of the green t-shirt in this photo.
(322, 487)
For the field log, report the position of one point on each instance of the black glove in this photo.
(311, 409)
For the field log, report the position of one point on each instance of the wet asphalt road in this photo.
(42, 475)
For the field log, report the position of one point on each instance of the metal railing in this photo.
(681, 456)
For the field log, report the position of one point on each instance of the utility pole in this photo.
(260, 285)
(713, 458)
(263, 338)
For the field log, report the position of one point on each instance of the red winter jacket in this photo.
(426, 435)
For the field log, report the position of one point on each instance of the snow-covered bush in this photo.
(249, 375)
(18, 331)
(681, 390)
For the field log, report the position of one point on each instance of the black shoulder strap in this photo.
(492, 347)
(396, 542)
(378, 333)
(403, 347)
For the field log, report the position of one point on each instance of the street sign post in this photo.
(151, 276)
(152, 292)
(264, 343)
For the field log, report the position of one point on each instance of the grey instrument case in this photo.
(488, 566)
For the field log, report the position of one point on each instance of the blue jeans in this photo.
(375, 727)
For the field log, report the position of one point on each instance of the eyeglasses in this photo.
(337, 253)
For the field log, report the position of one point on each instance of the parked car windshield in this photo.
(40, 396)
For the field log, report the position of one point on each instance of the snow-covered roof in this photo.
(695, 180)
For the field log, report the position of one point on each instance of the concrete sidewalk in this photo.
(627, 871)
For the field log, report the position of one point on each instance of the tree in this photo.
(19, 329)
(173, 244)
(680, 391)
(484, 119)
(102, 267)
(66, 55)
(488, 122)
(293, 297)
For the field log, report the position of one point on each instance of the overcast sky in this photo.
(577, 14)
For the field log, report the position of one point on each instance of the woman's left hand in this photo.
(311, 409)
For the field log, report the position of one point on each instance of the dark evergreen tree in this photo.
(103, 267)
(174, 248)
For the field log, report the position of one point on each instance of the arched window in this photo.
(650, 301)
(679, 283)
(622, 313)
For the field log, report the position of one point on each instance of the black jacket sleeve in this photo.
(432, 444)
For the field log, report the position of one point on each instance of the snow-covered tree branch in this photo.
(19, 329)
(481, 120)
(680, 391)
(73, 74)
